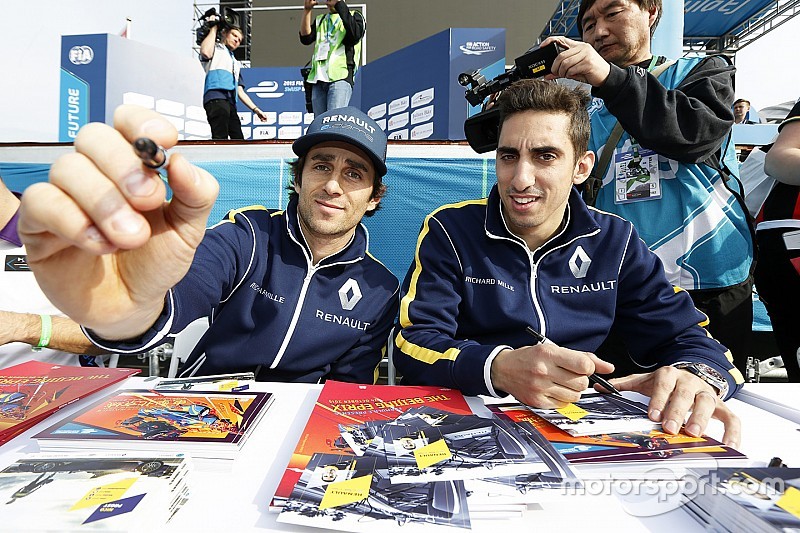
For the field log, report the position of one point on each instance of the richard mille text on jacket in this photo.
(489, 281)
(264, 292)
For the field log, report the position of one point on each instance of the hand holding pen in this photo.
(543, 374)
(594, 379)
(101, 233)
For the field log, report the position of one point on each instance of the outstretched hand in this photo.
(674, 393)
(102, 240)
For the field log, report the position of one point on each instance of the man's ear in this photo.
(376, 197)
(583, 167)
(373, 203)
(652, 16)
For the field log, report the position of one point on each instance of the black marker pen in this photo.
(151, 154)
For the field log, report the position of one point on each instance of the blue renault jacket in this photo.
(273, 311)
(474, 287)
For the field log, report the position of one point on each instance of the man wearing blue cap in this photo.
(133, 268)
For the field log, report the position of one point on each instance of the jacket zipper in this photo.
(312, 269)
(293, 324)
(536, 306)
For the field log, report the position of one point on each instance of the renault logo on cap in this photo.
(579, 263)
(349, 294)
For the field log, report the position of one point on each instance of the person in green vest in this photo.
(336, 36)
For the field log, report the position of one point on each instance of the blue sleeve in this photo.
(660, 323)
(360, 363)
(428, 350)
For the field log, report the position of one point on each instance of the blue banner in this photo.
(278, 92)
(83, 74)
(74, 111)
(414, 93)
(472, 49)
(714, 18)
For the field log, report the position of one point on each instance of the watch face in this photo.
(710, 371)
(709, 374)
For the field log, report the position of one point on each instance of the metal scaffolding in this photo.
(760, 23)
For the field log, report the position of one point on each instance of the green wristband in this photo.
(47, 331)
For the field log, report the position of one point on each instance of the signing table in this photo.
(234, 495)
(782, 399)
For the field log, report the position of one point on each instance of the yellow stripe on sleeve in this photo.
(412, 286)
(425, 355)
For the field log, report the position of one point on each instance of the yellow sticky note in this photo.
(228, 385)
(344, 492)
(104, 494)
(790, 501)
(572, 411)
(704, 449)
(433, 453)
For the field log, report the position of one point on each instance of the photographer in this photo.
(223, 80)
(682, 193)
(336, 36)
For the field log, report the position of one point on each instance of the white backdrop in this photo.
(29, 94)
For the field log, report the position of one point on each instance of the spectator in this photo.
(294, 295)
(27, 318)
(336, 36)
(533, 254)
(741, 108)
(224, 82)
(778, 237)
(675, 118)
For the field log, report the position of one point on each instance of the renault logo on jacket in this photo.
(349, 294)
(579, 263)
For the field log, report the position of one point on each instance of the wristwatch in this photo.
(707, 373)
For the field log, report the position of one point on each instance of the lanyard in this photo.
(233, 66)
(329, 27)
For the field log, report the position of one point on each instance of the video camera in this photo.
(481, 129)
(229, 19)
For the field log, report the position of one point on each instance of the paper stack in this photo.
(33, 391)
(93, 492)
(205, 424)
(627, 454)
(373, 456)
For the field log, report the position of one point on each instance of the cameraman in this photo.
(223, 81)
(676, 116)
(337, 53)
